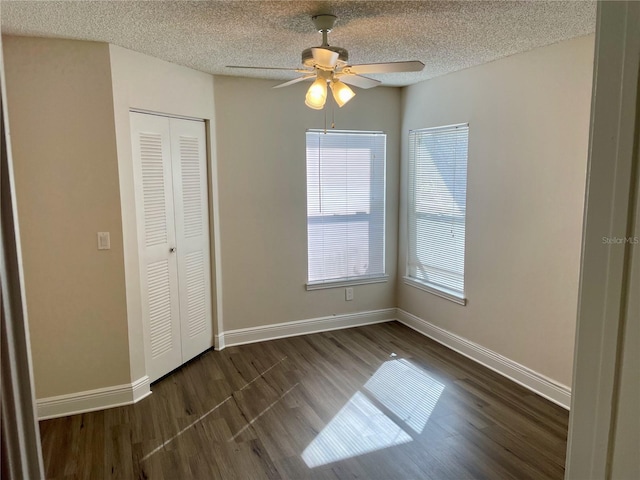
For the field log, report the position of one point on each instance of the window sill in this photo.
(439, 291)
(346, 283)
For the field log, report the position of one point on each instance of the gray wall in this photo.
(262, 191)
(529, 117)
(528, 135)
(64, 149)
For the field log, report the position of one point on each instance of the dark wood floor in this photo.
(376, 402)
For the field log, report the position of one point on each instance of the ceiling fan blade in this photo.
(391, 67)
(268, 68)
(358, 80)
(324, 57)
(295, 80)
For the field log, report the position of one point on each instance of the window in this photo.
(437, 209)
(345, 207)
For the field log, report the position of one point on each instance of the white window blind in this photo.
(437, 207)
(345, 205)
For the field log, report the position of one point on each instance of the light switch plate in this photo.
(104, 241)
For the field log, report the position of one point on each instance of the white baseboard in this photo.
(141, 389)
(534, 381)
(91, 400)
(303, 327)
(119, 395)
(218, 342)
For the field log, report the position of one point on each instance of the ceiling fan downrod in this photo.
(324, 24)
(327, 67)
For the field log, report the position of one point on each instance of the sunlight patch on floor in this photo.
(202, 417)
(404, 389)
(358, 428)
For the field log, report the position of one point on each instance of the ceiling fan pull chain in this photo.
(325, 120)
(333, 115)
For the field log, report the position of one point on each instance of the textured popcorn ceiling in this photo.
(208, 35)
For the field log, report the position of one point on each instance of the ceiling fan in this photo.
(328, 64)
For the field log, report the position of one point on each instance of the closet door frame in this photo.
(179, 246)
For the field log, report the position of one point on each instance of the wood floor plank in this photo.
(375, 402)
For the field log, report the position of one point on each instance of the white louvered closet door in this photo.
(150, 137)
(169, 158)
(188, 151)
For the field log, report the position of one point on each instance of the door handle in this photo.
(172, 249)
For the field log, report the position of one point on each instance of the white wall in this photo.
(528, 116)
(146, 83)
(61, 118)
(604, 425)
(262, 191)
(529, 120)
(69, 107)
(626, 441)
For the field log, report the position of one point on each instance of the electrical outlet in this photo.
(348, 294)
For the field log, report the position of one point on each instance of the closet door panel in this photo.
(151, 148)
(190, 190)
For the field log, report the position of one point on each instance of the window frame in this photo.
(433, 288)
(361, 279)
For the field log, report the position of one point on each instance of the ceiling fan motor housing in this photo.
(307, 55)
(330, 64)
(324, 23)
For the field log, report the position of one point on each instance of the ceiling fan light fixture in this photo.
(341, 92)
(317, 94)
(328, 63)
